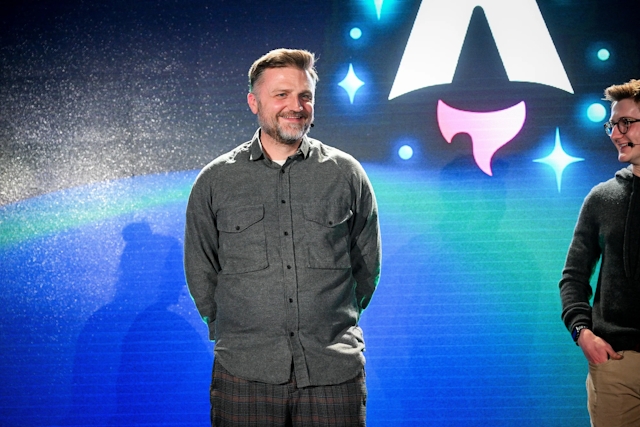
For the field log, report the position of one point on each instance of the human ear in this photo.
(253, 102)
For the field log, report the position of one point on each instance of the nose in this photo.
(295, 104)
(615, 133)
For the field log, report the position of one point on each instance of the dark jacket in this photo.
(604, 235)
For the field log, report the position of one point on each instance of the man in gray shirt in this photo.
(282, 254)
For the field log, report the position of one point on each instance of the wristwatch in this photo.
(575, 334)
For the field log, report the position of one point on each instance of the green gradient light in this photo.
(72, 208)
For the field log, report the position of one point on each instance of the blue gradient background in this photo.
(96, 325)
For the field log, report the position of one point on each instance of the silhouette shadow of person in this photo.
(133, 357)
(466, 285)
(165, 366)
(97, 355)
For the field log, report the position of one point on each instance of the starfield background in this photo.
(108, 110)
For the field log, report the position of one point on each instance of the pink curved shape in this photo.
(489, 131)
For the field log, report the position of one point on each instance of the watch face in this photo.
(576, 332)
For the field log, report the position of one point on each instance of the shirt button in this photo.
(291, 300)
(283, 202)
(291, 333)
(237, 227)
(288, 267)
(286, 233)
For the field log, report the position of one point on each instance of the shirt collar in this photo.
(256, 152)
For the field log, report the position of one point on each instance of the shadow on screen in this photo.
(458, 349)
(137, 361)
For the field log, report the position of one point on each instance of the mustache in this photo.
(294, 115)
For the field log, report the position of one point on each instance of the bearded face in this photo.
(287, 127)
(283, 102)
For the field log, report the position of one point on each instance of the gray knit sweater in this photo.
(604, 232)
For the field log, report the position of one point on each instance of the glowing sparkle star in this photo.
(378, 4)
(558, 159)
(351, 83)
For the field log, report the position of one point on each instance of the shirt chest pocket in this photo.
(327, 232)
(242, 240)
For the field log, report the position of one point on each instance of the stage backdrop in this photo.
(478, 122)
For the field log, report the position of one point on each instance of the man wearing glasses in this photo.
(608, 230)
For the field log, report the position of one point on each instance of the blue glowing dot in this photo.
(405, 152)
(603, 54)
(355, 33)
(596, 112)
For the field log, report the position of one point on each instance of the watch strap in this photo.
(575, 334)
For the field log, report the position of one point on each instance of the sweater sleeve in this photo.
(582, 258)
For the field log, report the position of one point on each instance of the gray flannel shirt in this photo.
(281, 261)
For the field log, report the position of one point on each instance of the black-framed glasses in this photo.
(623, 125)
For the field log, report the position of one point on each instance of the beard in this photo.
(288, 135)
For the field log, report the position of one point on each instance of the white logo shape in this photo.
(519, 31)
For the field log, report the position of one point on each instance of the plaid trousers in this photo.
(240, 403)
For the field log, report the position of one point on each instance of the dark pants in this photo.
(238, 402)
